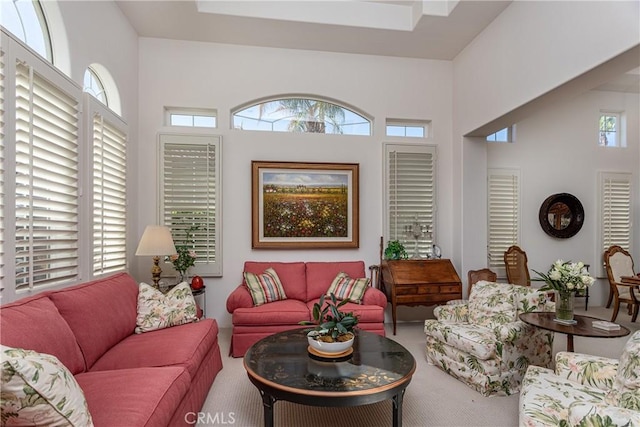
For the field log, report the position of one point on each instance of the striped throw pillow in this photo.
(265, 287)
(344, 287)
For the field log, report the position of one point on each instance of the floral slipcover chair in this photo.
(584, 390)
(483, 343)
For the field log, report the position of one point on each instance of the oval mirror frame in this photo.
(566, 225)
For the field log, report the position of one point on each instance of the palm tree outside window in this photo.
(301, 114)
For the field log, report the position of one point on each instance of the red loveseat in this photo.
(303, 283)
(158, 378)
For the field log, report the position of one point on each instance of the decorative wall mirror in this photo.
(561, 215)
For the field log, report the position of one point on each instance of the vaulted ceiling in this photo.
(430, 29)
(418, 29)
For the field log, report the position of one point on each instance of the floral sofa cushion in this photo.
(544, 400)
(625, 391)
(491, 303)
(38, 390)
(478, 342)
(158, 311)
(579, 391)
(527, 301)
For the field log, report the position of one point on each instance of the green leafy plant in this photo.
(185, 256)
(330, 322)
(395, 250)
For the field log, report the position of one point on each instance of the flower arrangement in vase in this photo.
(185, 257)
(566, 278)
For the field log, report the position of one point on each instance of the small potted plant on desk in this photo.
(333, 332)
(395, 250)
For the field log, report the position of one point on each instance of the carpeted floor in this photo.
(432, 399)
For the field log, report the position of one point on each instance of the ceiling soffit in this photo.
(382, 15)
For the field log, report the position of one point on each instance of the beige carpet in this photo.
(432, 399)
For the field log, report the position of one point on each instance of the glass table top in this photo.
(282, 359)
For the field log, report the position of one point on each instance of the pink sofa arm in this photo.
(374, 296)
(239, 298)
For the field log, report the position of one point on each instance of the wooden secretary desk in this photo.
(419, 282)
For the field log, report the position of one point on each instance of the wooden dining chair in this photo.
(515, 263)
(474, 276)
(618, 262)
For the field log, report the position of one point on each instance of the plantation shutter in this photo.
(410, 190)
(190, 192)
(109, 189)
(503, 215)
(615, 210)
(46, 179)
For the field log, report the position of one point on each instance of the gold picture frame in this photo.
(299, 205)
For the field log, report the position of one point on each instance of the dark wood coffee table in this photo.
(582, 328)
(282, 369)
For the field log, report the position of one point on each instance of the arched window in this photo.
(25, 19)
(94, 86)
(301, 114)
(99, 83)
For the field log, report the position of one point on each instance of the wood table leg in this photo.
(393, 315)
(267, 402)
(397, 409)
(570, 342)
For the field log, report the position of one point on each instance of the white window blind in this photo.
(109, 135)
(410, 194)
(46, 162)
(190, 195)
(615, 211)
(503, 215)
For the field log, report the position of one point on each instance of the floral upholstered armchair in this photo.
(483, 343)
(584, 390)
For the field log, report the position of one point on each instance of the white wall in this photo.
(98, 32)
(532, 56)
(532, 48)
(187, 74)
(557, 151)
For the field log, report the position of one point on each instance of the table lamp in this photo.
(156, 241)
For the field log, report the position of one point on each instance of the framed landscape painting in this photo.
(304, 205)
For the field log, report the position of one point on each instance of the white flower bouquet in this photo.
(566, 276)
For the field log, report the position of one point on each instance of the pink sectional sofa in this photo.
(158, 378)
(303, 283)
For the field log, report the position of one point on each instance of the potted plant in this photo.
(185, 256)
(333, 332)
(395, 250)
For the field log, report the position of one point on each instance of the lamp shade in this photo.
(156, 240)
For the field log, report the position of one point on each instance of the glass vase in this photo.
(183, 276)
(564, 305)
